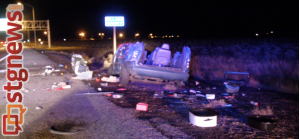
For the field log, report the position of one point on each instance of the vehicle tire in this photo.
(124, 76)
(109, 71)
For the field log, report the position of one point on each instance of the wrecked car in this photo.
(132, 63)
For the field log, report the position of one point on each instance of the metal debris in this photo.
(94, 93)
(54, 131)
(38, 107)
(110, 79)
(192, 91)
(104, 84)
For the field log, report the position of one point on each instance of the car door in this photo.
(120, 56)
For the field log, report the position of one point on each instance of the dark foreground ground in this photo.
(170, 115)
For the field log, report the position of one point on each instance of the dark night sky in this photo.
(189, 19)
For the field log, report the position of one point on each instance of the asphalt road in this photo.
(92, 115)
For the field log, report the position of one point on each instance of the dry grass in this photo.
(263, 111)
(271, 62)
(215, 103)
(170, 87)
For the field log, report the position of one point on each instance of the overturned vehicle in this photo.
(132, 63)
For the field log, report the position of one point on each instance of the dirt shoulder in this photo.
(169, 115)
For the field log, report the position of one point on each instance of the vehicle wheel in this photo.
(124, 76)
(109, 71)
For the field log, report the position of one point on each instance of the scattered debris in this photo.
(104, 84)
(231, 98)
(228, 105)
(191, 97)
(38, 107)
(121, 89)
(110, 79)
(24, 90)
(177, 102)
(47, 89)
(84, 75)
(200, 95)
(210, 96)
(142, 107)
(175, 95)
(158, 94)
(109, 95)
(94, 93)
(59, 86)
(49, 69)
(118, 95)
(67, 86)
(192, 91)
(54, 131)
(254, 103)
(224, 94)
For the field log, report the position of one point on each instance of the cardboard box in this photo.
(142, 107)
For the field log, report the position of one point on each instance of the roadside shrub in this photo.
(263, 111)
(215, 103)
(170, 87)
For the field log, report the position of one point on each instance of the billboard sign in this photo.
(114, 21)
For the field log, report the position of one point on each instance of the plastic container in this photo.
(260, 122)
(232, 88)
(203, 117)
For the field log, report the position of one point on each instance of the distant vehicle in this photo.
(131, 63)
(3, 43)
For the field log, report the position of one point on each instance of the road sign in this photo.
(114, 21)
